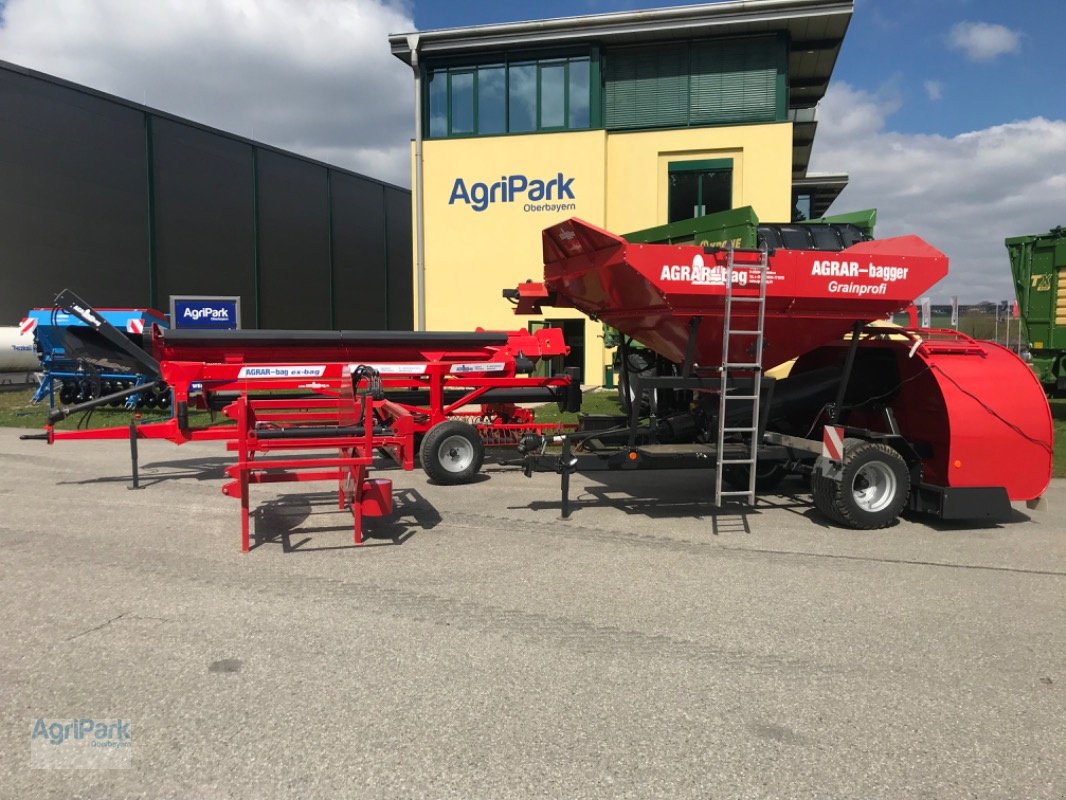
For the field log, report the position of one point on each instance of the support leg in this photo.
(565, 460)
(244, 511)
(133, 454)
(357, 504)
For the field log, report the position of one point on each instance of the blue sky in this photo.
(900, 50)
(949, 116)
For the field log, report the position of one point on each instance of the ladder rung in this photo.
(736, 494)
(739, 332)
(738, 461)
(739, 430)
(741, 396)
(745, 299)
(741, 365)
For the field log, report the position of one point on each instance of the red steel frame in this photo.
(316, 436)
(350, 442)
(471, 374)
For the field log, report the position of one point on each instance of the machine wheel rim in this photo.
(455, 453)
(874, 487)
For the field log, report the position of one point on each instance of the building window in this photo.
(703, 82)
(461, 103)
(522, 98)
(491, 100)
(510, 97)
(437, 90)
(553, 95)
(698, 188)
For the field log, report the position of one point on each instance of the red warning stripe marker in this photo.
(833, 442)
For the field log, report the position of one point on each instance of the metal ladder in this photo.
(729, 369)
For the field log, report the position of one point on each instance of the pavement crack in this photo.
(123, 615)
(902, 561)
(99, 627)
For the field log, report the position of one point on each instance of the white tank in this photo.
(16, 351)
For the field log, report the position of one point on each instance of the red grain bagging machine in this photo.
(882, 420)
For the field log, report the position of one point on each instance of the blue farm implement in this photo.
(78, 367)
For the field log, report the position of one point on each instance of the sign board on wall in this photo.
(205, 312)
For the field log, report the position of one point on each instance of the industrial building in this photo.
(626, 120)
(128, 205)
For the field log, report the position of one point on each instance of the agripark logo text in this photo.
(87, 743)
(535, 194)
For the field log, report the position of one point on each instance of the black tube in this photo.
(447, 339)
(573, 391)
(690, 347)
(70, 302)
(61, 413)
(849, 362)
(318, 431)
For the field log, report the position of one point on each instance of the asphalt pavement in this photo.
(478, 646)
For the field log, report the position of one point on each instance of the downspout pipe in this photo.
(420, 223)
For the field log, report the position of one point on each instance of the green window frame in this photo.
(697, 184)
(556, 92)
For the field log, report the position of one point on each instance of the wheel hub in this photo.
(456, 454)
(874, 487)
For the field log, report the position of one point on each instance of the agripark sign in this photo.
(534, 194)
(204, 312)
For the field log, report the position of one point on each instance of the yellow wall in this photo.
(637, 163)
(619, 182)
(471, 256)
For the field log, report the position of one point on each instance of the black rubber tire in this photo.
(452, 453)
(854, 501)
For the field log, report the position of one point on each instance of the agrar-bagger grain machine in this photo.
(881, 420)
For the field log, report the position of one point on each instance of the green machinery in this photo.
(742, 228)
(1038, 263)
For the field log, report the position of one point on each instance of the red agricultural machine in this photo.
(321, 403)
(881, 419)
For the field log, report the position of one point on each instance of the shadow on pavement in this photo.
(282, 521)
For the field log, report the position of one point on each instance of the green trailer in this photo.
(1038, 264)
(741, 228)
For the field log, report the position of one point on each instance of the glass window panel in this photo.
(522, 98)
(462, 100)
(716, 191)
(491, 101)
(552, 95)
(438, 103)
(684, 196)
(579, 93)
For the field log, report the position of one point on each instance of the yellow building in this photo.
(625, 120)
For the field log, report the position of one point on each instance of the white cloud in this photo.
(934, 90)
(983, 41)
(312, 76)
(963, 194)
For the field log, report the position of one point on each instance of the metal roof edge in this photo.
(650, 21)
